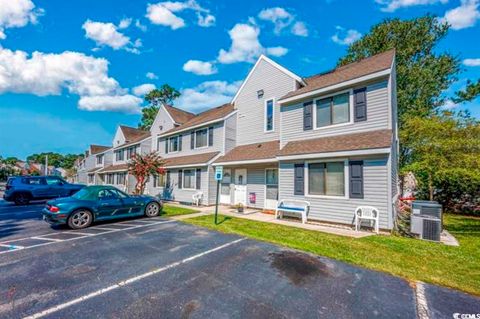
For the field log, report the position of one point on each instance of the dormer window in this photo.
(100, 159)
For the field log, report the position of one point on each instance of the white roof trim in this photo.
(260, 161)
(114, 171)
(129, 144)
(186, 165)
(370, 151)
(169, 115)
(198, 125)
(276, 65)
(335, 86)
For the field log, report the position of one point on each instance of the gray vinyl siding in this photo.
(230, 133)
(377, 117)
(341, 210)
(162, 123)
(251, 109)
(181, 195)
(217, 143)
(256, 184)
(212, 186)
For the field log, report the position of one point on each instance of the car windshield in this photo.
(85, 194)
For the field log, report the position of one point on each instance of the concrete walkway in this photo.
(257, 215)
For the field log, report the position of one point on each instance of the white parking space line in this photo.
(54, 240)
(128, 281)
(50, 239)
(12, 247)
(126, 224)
(77, 233)
(24, 238)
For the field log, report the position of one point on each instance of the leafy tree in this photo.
(55, 159)
(164, 95)
(445, 156)
(468, 94)
(141, 166)
(11, 161)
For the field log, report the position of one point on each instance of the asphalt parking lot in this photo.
(158, 268)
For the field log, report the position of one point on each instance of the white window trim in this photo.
(178, 144)
(195, 138)
(345, 173)
(278, 183)
(350, 110)
(164, 181)
(265, 115)
(194, 179)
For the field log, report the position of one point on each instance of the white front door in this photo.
(271, 188)
(225, 187)
(240, 193)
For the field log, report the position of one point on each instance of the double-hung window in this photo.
(159, 180)
(119, 155)
(326, 179)
(110, 178)
(189, 179)
(131, 151)
(269, 115)
(173, 144)
(121, 178)
(333, 110)
(100, 159)
(201, 138)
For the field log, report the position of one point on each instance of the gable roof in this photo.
(131, 133)
(95, 149)
(178, 116)
(273, 63)
(351, 71)
(209, 116)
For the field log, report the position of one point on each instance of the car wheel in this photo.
(22, 199)
(79, 219)
(152, 209)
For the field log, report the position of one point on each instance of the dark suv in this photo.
(23, 189)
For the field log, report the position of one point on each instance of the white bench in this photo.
(366, 213)
(293, 206)
(197, 198)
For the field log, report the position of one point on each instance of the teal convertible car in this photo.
(96, 203)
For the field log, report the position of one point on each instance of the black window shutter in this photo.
(210, 136)
(356, 179)
(180, 179)
(192, 140)
(198, 182)
(299, 179)
(166, 145)
(360, 104)
(180, 142)
(308, 115)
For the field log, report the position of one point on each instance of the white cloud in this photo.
(140, 26)
(245, 45)
(277, 51)
(464, 16)
(471, 62)
(393, 5)
(282, 19)
(206, 95)
(300, 29)
(165, 13)
(449, 105)
(17, 14)
(45, 74)
(143, 89)
(125, 23)
(151, 76)
(121, 103)
(345, 37)
(106, 34)
(199, 67)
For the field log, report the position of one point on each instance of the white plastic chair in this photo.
(366, 213)
(197, 198)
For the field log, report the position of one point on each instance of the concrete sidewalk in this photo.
(259, 216)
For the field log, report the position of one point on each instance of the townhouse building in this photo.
(86, 165)
(330, 139)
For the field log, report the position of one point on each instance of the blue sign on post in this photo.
(218, 173)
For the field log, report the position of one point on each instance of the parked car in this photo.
(96, 203)
(23, 189)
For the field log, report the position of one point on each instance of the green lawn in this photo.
(456, 267)
(170, 210)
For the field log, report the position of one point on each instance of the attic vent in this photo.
(260, 94)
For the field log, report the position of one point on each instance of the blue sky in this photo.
(71, 71)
